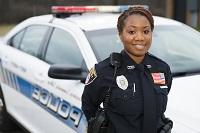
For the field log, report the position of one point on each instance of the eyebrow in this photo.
(143, 27)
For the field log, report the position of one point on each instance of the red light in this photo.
(72, 9)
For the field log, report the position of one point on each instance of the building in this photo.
(187, 11)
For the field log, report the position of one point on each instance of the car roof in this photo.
(93, 21)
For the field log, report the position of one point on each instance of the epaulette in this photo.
(104, 63)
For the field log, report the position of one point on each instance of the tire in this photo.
(6, 124)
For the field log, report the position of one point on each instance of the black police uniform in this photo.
(126, 105)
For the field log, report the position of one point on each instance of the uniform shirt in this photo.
(125, 109)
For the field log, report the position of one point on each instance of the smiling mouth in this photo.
(139, 46)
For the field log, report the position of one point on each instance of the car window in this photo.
(104, 42)
(16, 40)
(63, 49)
(32, 39)
(179, 46)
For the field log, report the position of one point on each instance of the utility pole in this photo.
(198, 12)
(180, 10)
(169, 8)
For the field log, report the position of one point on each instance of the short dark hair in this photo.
(131, 11)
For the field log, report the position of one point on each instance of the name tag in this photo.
(164, 87)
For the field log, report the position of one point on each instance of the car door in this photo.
(23, 70)
(40, 103)
(180, 49)
(65, 94)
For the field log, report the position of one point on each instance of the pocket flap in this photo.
(123, 94)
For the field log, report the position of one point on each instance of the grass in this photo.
(198, 28)
(4, 28)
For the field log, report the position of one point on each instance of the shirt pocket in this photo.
(125, 102)
(161, 99)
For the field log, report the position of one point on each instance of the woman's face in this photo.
(136, 35)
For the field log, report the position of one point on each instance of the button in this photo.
(125, 96)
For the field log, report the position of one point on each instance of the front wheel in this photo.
(6, 124)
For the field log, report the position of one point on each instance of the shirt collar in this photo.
(128, 61)
(146, 61)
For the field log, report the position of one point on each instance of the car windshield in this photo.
(179, 46)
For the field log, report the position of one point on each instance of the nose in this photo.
(139, 36)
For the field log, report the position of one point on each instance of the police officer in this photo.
(139, 92)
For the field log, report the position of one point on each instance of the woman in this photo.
(139, 92)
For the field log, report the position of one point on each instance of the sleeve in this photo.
(169, 78)
(92, 94)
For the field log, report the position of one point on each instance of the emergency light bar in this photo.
(72, 9)
(83, 9)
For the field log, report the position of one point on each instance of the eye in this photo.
(131, 32)
(146, 31)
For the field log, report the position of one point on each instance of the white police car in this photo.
(77, 41)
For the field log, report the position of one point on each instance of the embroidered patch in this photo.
(91, 76)
(158, 78)
(122, 82)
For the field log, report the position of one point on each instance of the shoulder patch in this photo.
(158, 78)
(91, 76)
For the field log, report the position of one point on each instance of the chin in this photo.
(136, 53)
(139, 54)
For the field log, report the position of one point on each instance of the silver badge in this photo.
(122, 82)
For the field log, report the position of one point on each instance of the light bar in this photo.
(83, 9)
(72, 9)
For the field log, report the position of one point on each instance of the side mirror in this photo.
(61, 71)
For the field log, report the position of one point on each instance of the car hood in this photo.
(183, 104)
(183, 122)
(1, 39)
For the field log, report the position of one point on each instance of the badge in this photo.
(122, 82)
(91, 76)
(158, 78)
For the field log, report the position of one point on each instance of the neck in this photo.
(137, 59)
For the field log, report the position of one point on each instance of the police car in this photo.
(71, 41)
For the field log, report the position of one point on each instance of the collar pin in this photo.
(148, 66)
(131, 67)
